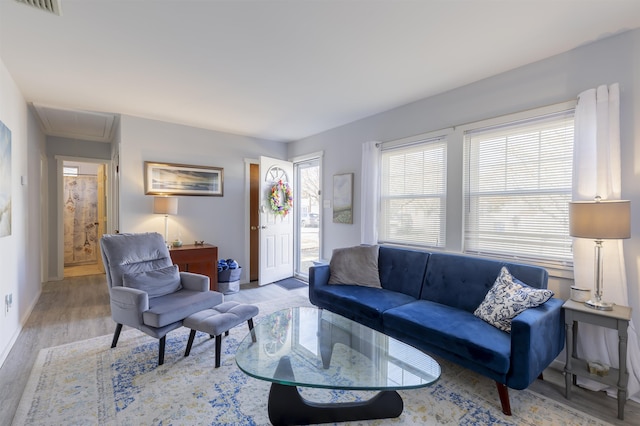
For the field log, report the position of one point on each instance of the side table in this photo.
(199, 259)
(617, 319)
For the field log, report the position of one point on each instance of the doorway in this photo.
(83, 216)
(308, 213)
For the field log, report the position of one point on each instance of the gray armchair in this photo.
(147, 291)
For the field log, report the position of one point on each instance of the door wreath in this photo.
(281, 199)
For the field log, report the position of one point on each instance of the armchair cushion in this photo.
(174, 307)
(156, 282)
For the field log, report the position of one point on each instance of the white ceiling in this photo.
(282, 70)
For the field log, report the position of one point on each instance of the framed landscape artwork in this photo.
(343, 198)
(5, 180)
(182, 179)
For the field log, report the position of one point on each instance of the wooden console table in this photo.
(199, 259)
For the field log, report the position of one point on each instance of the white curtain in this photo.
(369, 191)
(596, 172)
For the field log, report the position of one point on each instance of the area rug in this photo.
(86, 383)
(291, 283)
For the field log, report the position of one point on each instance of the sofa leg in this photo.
(540, 377)
(116, 335)
(503, 391)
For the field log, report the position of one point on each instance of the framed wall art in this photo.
(5, 180)
(343, 198)
(182, 179)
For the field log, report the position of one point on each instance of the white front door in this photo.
(276, 231)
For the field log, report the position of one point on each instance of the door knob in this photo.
(254, 228)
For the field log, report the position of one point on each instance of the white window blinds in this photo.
(517, 189)
(413, 194)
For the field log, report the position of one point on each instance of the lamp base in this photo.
(599, 305)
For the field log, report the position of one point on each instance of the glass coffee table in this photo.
(315, 348)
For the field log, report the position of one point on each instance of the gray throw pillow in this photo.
(507, 298)
(157, 282)
(355, 265)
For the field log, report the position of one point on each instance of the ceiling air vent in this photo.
(52, 6)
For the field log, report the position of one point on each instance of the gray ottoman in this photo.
(217, 320)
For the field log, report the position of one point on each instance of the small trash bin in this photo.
(229, 287)
(229, 276)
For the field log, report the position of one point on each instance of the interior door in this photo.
(254, 222)
(276, 231)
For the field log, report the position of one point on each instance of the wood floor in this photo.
(82, 270)
(77, 308)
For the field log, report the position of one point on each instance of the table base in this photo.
(287, 407)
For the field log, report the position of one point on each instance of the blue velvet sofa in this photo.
(428, 300)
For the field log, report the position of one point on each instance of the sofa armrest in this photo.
(537, 337)
(318, 278)
(127, 305)
(194, 282)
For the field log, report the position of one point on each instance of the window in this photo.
(413, 193)
(517, 189)
(70, 171)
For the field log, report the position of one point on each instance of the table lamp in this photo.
(165, 206)
(600, 220)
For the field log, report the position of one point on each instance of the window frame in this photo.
(439, 136)
(455, 221)
(556, 267)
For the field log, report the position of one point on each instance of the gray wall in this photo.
(19, 252)
(216, 220)
(553, 80)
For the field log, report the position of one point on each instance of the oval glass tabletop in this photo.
(310, 347)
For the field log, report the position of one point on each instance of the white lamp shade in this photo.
(600, 220)
(165, 205)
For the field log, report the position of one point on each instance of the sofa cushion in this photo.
(355, 265)
(402, 270)
(451, 329)
(157, 282)
(507, 298)
(463, 281)
(360, 303)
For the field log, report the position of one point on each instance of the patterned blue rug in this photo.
(87, 383)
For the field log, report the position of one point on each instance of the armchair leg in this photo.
(161, 344)
(116, 335)
(503, 392)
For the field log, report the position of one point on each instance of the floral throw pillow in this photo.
(507, 298)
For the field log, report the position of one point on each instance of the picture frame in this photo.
(183, 179)
(343, 198)
(5, 180)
